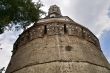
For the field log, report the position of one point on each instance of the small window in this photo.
(68, 48)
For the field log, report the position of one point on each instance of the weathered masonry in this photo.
(57, 44)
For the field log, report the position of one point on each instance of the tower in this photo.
(57, 44)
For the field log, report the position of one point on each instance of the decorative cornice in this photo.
(55, 27)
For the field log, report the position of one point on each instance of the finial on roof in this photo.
(54, 11)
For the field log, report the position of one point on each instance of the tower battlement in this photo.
(56, 27)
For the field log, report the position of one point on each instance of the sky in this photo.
(93, 14)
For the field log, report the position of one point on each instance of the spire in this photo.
(54, 11)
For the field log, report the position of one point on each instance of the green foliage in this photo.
(2, 69)
(22, 12)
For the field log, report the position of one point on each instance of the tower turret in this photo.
(54, 11)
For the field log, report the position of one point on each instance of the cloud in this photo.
(90, 13)
(103, 22)
(87, 11)
(6, 40)
(108, 58)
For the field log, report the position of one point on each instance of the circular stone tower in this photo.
(57, 44)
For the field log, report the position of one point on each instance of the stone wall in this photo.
(40, 30)
(57, 47)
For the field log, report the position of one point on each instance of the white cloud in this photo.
(109, 59)
(103, 23)
(6, 40)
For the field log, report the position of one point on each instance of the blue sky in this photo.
(105, 44)
(93, 14)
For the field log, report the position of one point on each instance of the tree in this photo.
(22, 12)
(2, 69)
